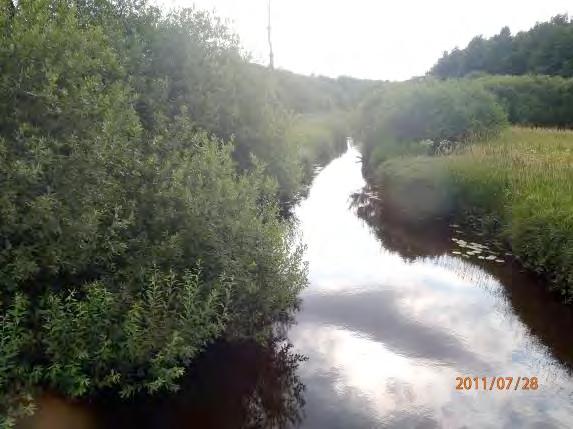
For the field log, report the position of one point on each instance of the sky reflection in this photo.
(387, 335)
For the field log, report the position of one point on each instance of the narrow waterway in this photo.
(392, 316)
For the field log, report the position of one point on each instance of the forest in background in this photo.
(545, 50)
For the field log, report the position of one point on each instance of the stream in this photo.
(391, 317)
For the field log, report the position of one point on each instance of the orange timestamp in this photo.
(497, 383)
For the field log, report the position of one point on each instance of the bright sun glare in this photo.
(387, 40)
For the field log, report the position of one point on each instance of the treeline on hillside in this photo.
(323, 111)
(317, 94)
(141, 162)
(545, 49)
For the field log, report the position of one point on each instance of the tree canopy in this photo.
(544, 49)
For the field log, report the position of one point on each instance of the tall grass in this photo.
(520, 184)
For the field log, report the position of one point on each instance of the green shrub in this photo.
(406, 113)
(90, 339)
(416, 186)
(534, 100)
(192, 206)
(108, 206)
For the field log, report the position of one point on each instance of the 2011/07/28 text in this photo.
(497, 383)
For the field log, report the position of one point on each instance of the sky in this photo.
(372, 39)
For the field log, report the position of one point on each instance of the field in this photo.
(517, 186)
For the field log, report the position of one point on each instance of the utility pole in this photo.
(271, 55)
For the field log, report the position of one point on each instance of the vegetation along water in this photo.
(144, 166)
(164, 205)
(443, 149)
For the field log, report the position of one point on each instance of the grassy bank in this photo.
(517, 186)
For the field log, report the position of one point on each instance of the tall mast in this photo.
(271, 55)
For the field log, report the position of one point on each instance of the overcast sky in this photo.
(375, 39)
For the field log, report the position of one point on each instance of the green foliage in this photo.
(523, 180)
(314, 95)
(81, 341)
(416, 186)
(15, 395)
(196, 69)
(98, 340)
(534, 100)
(545, 49)
(192, 206)
(116, 184)
(67, 150)
(320, 137)
(401, 114)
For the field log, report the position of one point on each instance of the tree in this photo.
(544, 49)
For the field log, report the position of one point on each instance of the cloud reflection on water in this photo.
(387, 335)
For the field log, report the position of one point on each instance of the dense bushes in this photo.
(131, 233)
(534, 100)
(188, 64)
(94, 338)
(127, 271)
(314, 95)
(400, 115)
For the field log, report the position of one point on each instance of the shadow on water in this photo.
(232, 385)
(410, 240)
(539, 309)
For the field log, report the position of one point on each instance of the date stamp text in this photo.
(497, 383)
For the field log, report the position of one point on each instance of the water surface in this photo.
(392, 317)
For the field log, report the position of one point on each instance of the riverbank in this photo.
(378, 292)
(516, 188)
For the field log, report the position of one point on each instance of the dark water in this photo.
(392, 316)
